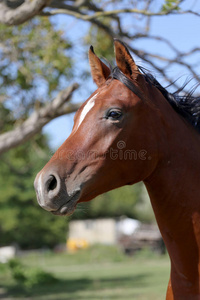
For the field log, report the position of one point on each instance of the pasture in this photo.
(97, 273)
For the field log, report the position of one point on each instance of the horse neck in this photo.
(177, 171)
(173, 188)
(178, 163)
(174, 184)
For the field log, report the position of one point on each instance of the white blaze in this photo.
(86, 109)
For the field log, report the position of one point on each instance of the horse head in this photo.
(112, 142)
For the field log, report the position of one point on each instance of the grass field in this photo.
(98, 273)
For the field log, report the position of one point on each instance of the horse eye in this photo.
(114, 115)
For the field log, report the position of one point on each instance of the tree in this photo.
(32, 71)
(108, 19)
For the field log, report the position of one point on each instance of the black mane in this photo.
(187, 106)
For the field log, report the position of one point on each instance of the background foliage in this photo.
(32, 66)
(22, 222)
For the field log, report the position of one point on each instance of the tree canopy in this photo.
(32, 72)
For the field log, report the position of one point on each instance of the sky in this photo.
(182, 31)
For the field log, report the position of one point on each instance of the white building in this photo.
(101, 231)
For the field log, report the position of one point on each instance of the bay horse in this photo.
(129, 130)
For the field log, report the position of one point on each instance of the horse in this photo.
(132, 129)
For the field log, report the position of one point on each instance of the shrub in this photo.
(29, 278)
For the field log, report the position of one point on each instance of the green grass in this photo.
(98, 273)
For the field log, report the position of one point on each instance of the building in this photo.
(128, 233)
(101, 231)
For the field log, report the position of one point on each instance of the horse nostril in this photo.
(51, 183)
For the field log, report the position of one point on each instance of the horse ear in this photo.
(99, 70)
(124, 60)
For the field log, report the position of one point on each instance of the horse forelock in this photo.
(119, 75)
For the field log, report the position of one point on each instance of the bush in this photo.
(29, 278)
(37, 276)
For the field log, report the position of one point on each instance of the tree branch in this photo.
(38, 119)
(22, 13)
(30, 8)
(111, 13)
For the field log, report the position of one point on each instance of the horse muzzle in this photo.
(52, 194)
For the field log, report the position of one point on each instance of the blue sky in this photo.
(181, 30)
